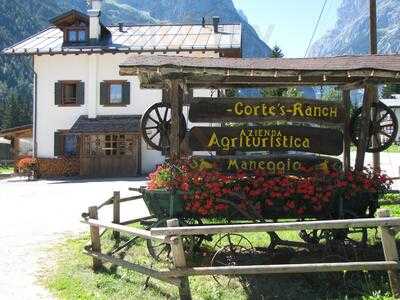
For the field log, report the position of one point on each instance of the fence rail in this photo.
(178, 275)
(269, 227)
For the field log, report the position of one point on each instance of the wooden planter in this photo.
(167, 204)
(162, 203)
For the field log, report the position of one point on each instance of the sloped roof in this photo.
(107, 124)
(15, 130)
(338, 63)
(138, 38)
(203, 72)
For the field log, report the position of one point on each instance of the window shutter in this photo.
(58, 144)
(104, 93)
(80, 93)
(126, 93)
(57, 93)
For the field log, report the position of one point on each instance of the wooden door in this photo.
(110, 155)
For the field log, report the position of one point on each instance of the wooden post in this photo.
(175, 97)
(346, 131)
(178, 255)
(364, 126)
(374, 50)
(95, 238)
(116, 212)
(390, 251)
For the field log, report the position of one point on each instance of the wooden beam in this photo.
(95, 238)
(135, 267)
(116, 213)
(268, 227)
(175, 97)
(364, 127)
(346, 130)
(285, 268)
(178, 255)
(390, 251)
(130, 230)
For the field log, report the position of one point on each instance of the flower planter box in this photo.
(162, 203)
(167, 204)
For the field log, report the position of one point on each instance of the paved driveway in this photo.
(34, 214)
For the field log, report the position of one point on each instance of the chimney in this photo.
(215, 23)
(121, 27)
(94, 16)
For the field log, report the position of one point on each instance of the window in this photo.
(114, 93)
(69, 93)
(70, 144)
(76, 35)
(117, 144)
(65, 144)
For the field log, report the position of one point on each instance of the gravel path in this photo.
(36, 214)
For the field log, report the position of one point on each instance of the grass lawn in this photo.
(72, 278)
(392, 149)
(6, 170)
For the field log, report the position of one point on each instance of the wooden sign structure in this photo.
(268, 138)
(277, 139)
(283, 164)
(266, 109)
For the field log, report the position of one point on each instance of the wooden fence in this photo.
(179, 274)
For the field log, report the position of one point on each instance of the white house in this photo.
(84, 108)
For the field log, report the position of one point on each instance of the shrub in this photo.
(25, 164)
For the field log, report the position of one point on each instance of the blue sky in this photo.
(289, 23)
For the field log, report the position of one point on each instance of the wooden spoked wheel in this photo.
(156, 126)
(162, 251)
(229, 250)
(382, 131)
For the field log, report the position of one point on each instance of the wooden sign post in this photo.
(267, 138)
(278, 164)
(266, 109)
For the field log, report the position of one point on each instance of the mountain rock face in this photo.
(22, 18)
(351, 33)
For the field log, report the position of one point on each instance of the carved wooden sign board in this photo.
(267, 138)
(276, 139)
(266, 109)
(284, 164)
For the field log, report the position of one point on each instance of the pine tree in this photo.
(15, 112)
(274, 92)
(276, 52)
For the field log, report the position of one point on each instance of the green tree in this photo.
(279, 92)
(330, 94)
(390, 89)
(15, 111)
(231, 93)
(276, 52)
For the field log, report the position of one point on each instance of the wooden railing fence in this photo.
(178, 275)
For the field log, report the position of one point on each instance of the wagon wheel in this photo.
(156, 126)
(347, 214)
(315, 237)
(229, 249)
(383, 128)
(162, 251)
